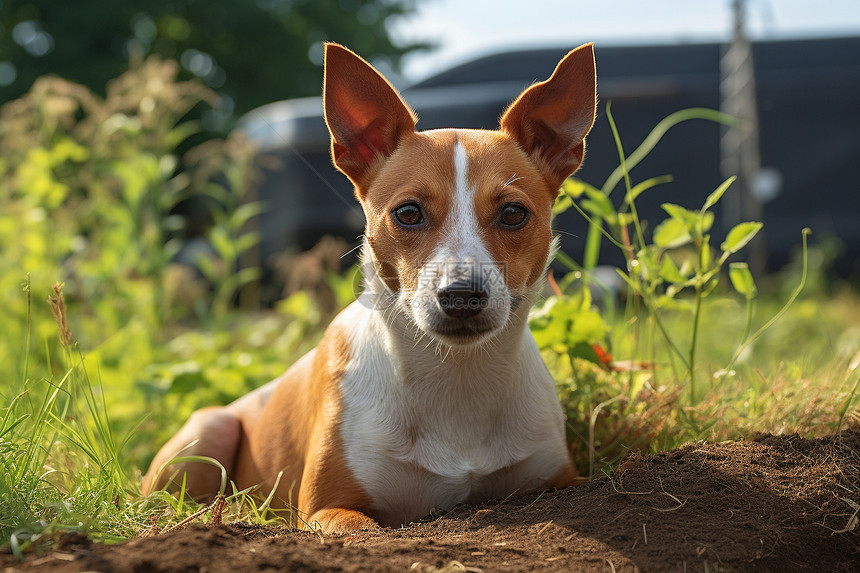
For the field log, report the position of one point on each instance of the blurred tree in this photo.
(250, 51)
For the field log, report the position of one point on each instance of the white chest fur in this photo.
(423, 431)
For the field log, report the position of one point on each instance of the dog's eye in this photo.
(513, 216)
(408, 215)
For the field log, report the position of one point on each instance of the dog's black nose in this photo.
(464, 299)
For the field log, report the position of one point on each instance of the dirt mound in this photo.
(778, 503)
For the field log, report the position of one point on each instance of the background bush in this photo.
(251, 52)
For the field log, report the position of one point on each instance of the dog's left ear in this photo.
(551, 119)
(364, 114)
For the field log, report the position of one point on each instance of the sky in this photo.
(464, 29)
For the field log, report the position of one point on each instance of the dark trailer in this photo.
(808, 94)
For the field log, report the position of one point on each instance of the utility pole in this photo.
(739, 146)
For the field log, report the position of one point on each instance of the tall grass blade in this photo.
(800, 286)
(592, 242)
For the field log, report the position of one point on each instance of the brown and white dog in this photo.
(429, 390)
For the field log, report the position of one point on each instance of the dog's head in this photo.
(458, 221)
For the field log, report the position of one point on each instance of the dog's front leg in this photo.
(330, 495)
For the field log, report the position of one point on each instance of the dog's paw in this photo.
(335, 521)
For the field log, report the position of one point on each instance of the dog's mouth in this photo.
(463, 329)
(460, 332)
(467, 329)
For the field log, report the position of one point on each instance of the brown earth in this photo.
(778, 503)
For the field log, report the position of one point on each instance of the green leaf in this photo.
(562, 203)
(604, 206)
(689, 218)
(742, 279)
(245, 213)
(716, 195)
(598, 209)
(218, 192)
(13, 424)
(574, 188)
(647, 263)
(645, 185)
(222, 243)
(669, 271)
(563, 322)
(657, 134)
(186, 382)
(585, 351)
(245, 276)
(740, 235)
(206, 265)
(247, 241)
(182, 132)
(671, 233)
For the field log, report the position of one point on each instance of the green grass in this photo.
(75, 434)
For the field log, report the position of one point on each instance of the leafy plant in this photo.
(70, 443)
(670, 273)
(652, 274)
(89, 187)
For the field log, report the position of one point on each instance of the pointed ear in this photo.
(364, 114)
(551, 119)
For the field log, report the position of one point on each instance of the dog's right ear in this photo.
(364, 114)
(551, 119)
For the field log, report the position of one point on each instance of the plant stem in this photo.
(672, 345)
(592, 243)
(626, 174)
(692, 364)
(805, 257)
(652, 344)
(748, 324)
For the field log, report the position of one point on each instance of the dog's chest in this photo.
(416, 453)
(426, 435)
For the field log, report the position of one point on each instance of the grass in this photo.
(67, 464)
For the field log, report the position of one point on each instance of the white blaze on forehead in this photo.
(461, 166)
(464, 233)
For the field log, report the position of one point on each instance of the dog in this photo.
(428, 391)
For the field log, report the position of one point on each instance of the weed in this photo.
(673, 281)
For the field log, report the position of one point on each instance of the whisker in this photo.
(352, 250)
(513, 179)
(446, 354)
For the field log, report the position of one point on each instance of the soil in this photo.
(776, 503)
